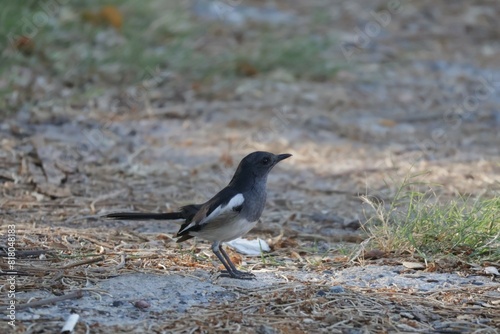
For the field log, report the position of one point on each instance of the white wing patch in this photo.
(220, 210)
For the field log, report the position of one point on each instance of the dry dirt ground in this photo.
(421, 96)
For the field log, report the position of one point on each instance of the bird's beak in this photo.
(283, 156)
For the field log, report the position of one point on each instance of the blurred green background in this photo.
(87, 46)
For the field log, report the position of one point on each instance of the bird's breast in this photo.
(255, 201)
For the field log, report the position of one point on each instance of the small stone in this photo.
(320, 293)
(353, 225)
(337, 289)
(117, 303)
(141, 304)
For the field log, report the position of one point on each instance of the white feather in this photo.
(220, 210)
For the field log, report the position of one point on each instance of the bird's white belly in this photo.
(226, 231)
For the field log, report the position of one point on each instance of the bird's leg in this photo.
(215, 249)
(224, 259)
(233, 268)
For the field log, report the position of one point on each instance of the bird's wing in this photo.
(225, 202)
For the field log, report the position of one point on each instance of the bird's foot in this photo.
(237, 274)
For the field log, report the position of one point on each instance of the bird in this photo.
(228, 215)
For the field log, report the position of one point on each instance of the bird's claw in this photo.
(238, 274)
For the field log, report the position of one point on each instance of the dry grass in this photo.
(47, 256)
(318, 310)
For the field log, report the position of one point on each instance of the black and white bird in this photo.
(230, 214)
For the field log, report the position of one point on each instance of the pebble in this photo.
(337, 289)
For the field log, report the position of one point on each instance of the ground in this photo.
(364, 95)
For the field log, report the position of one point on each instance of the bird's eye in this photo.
(265, 161)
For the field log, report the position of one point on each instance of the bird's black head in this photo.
(257, 165)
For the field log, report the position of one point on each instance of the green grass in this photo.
(165, 35)
(301, 56)
(155, 36)
(418, 222)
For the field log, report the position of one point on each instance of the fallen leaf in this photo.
(413, 265)
(373, 254)
(389, 123)
(295, 255)
(112, 16)
(246, 69)
(24, 45)
(108, 15)
(431, 267)
(491, 271)
(53, 190)
(48, 156)
(249, 247)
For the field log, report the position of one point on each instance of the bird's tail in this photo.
(145, 216)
